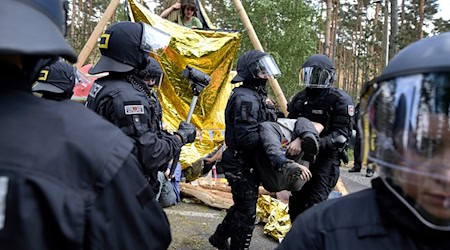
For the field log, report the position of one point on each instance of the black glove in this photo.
(187, 132)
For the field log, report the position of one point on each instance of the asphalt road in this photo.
(192, 223)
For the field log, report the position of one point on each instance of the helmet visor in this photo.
(265, 67)
(153, 39)
(315, 77)
(80, 78)
(406, 129)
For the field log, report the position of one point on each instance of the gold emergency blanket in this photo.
(212, 52)
(274, 213)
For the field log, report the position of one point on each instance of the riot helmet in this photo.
(317, 72)
(42, 28)
(152, 75)
(405, 119)
(125, 46)
(57, 79)
(254, 66)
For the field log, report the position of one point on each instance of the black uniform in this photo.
(382, 222)
(333, 108)
(246, 108)
(137, 114)
(72, 180)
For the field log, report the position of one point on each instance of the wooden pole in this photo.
(92, 41)
(281, 99)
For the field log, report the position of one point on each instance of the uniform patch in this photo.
(134, 109)
(351, 110)
(3, 193)
(317, 111)
(95, 89)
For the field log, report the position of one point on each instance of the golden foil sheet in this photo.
(210, 51)
(274, 213)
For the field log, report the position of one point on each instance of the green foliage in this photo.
(286, 30)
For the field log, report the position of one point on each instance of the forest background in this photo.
(360, 36)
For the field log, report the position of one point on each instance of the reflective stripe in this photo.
(3, 192)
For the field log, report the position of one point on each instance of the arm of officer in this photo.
(124, 213)
(341, 124)
(245, 121)
(153, 150)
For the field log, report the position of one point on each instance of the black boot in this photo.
(219, 239)
(310, 146)
(355, 169)
(241, 239)
(369, 172)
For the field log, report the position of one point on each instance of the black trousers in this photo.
(325, 174)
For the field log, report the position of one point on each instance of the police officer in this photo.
(407, 110)
(68, 179)
(331, 107)
(56, 81)
(246, 108)
(123, 97)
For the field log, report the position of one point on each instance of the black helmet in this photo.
(58, 78)
(255, 64)
(42, 26)
(125, 46)
(317, 72)
(152, 74)
(405, 119)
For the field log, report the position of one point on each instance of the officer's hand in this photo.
(306, 174)
(295, 147)
(187, 132)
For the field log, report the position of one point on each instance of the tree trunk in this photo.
(393, 47)
(328, 28)
(403, 11)
(385, 33)
(73, 21)
(335, 29)
(421, 14)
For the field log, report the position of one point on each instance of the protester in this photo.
(187, 18)
(68, 178)
(407, 110)
(169, 194)
(333, 108)
(124, 98)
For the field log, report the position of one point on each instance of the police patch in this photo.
(95, 89)
(351, 110)
(134, 109)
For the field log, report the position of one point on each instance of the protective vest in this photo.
(321, 109)
(132, 111)
(248, 107)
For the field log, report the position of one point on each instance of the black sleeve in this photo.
(293, 107)
(154, 150)
(246, 109)
(341, 123)
(302, 235)
(125, 214)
